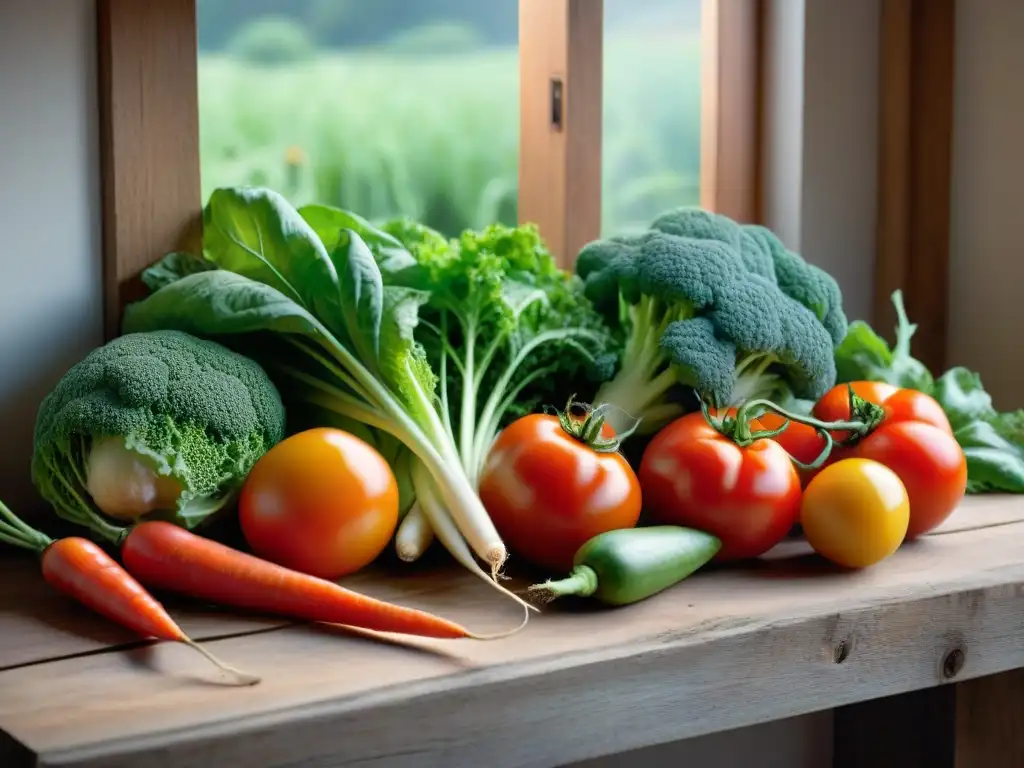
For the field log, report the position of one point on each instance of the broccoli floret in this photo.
(810, 285)
(705, 225)
(762, 253)
(701, 312)
(159, 422)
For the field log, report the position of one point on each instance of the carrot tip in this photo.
(241, 678)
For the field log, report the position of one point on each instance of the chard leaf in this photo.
(329, 222)
(172, 267)
(864, 355)
(403, 363)
(963, 398)
(218, 302)
(993, 463)
(362, 296)
(861, 352)
(257, 233)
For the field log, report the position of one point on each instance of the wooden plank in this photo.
(560, 46)
(726, 649)
(149, 139)
(37, 624)
(915, 168)
(731, 108)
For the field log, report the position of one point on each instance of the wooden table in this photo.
(725, 649)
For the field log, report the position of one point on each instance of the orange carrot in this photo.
(80, 569)
(165, 556)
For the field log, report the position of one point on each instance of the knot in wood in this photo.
(953, 663)
(841, 652)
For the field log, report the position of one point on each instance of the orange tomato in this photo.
(322, 502)
(548, 493)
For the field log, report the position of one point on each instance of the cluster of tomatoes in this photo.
(548, 493)
(899, 480)
(325, 502)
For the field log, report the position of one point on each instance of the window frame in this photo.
(150, 166)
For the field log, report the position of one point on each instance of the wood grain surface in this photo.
(149, 134)
(725, 649)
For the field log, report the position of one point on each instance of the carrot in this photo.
(165, 556)
(80, 569)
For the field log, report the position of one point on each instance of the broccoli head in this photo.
(159, 423)
(698, 300)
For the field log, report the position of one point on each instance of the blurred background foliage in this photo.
(411, 106)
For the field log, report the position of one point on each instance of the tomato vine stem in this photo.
(588, 429)
(865, 417)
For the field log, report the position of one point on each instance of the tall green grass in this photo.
(437, 137)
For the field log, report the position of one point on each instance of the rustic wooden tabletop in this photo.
(724, 649)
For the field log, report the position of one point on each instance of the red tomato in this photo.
(915, 440)
(322, 502)
(899, 405)
(930, 463)
(692, 475)
(548, 493)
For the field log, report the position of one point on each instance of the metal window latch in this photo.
(556, 103)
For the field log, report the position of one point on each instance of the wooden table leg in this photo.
(990, 721)
(975, 724)
(911, 730)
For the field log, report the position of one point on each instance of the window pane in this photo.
(651, 103)
(385, 107)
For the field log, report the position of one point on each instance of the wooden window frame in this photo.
(561, 41)
(150, 178)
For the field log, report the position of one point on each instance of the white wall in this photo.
(820, 142)
(987, 255)
(50, 309)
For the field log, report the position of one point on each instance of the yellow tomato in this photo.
(855, 512)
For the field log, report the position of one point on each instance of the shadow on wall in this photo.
(45, 354)
(50, 278)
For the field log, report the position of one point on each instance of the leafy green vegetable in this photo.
(865, 355)
(992, 442)
(158, 423)
(504, 324)
(334, 334)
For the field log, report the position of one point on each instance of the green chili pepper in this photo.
(631, 564)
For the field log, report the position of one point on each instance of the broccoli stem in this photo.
(753, 380)
(645, 376)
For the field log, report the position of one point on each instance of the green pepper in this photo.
(631, 564)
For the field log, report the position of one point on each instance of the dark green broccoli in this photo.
(157, 422)
(764, 254)
(703, 310)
